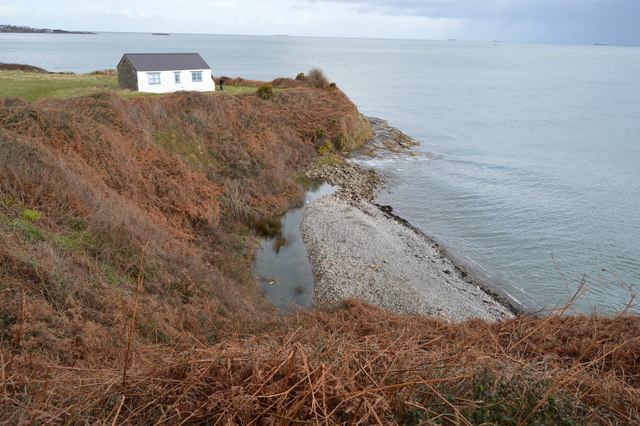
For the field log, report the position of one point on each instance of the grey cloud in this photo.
(571, 20)
(464, 9)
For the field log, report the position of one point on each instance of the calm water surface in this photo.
(533, 166)
(281, 262)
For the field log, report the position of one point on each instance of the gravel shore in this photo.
(358, 249)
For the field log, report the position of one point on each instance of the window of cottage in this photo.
(154, 77)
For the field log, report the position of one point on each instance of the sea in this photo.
(529, 165)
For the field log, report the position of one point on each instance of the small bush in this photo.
(319, 137)
(340, 141)
(31, 215)
(325, 148)
(333, 85)
(317, 79)
(301, 77)
(265, 92)
(8, 202)
(320, 133)
(236, 200)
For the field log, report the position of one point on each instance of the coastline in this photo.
(359, 249)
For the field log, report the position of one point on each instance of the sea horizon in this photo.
(601, 43)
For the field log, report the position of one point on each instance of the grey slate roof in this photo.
(166, 61)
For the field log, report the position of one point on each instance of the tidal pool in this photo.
(281, 262)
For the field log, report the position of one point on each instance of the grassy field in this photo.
(33, 86)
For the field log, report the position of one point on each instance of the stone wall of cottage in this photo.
(127, 76)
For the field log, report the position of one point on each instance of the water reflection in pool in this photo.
(281, 262)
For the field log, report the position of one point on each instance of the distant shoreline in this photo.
(29, 30)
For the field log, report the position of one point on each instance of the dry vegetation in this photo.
(355, 364)
(86, 183)
(188, 173)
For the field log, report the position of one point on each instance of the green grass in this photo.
(33, 86)
(75, 240)
(27, 229)
(237, 90)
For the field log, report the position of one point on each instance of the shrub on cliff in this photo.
(328, 147)
(340, 141)
(265, 91)
(317, 79)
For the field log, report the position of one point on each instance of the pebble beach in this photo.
(358, 249)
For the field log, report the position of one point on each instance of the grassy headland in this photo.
(87, 182)
(33, 84)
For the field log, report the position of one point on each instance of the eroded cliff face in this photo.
(86, 182)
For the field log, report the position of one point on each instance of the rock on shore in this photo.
(357, 250)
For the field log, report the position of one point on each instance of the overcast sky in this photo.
(556, 21)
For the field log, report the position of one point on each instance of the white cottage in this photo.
(164, 72)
